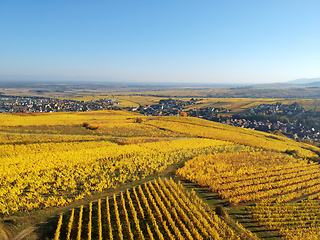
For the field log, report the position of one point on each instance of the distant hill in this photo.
(304, 81)
(301, 82)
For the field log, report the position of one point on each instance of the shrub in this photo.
(138, 120)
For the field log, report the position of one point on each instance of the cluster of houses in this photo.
(207, 113)
(279, 109)
(35, 105)
(176, 107)
(292, 130)
(165, 107)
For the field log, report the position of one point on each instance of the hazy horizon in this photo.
(73, 79)
(207, 42)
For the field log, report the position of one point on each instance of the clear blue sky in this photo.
(206, 41)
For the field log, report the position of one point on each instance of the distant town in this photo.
(289, 120)
(39, 105)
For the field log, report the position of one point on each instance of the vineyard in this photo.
(246, 177)
(157, 210)
(206, 129)
(54, 174)
(91, 176)
(272, 179)
(105, 123)
(293, 220)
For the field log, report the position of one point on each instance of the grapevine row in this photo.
(255, 175)
(292, 220)
(158, 210)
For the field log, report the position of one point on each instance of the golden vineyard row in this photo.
(293, 220)
(158, 210)
(244, 177)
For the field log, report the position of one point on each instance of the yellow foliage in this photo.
(293, 220)
(40, 175)
(62, 118)
(213, 130)
(251, 176)
(170, 210)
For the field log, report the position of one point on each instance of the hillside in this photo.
(60, 163)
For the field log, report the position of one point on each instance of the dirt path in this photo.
(24, 233)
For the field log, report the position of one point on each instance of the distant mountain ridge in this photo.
(304, 81)
(301, 82)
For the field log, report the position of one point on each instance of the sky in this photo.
(191, 41)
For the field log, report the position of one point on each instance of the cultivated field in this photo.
(157, 210)
(105, 175)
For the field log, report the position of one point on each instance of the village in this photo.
(166, 107)
(265, 117)
(39, 105)
(292, 130)
(287, 119)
